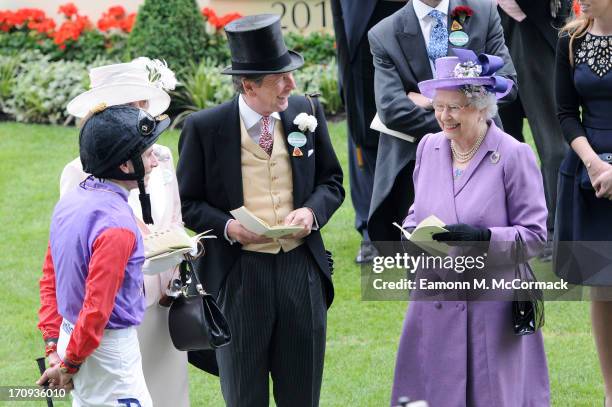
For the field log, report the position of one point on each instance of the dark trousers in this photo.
(512, 116)
(361, 109)
(275, 306)
(362, 182)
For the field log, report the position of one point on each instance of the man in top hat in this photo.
(249, 152)
(405, 46)
(129, 83)
(94, 298)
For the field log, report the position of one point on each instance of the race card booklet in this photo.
(378, 125)
(258, 226)
(422, 235)
(170, 241)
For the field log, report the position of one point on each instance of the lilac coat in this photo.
(460, 353)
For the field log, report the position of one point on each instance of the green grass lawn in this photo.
(362, 336)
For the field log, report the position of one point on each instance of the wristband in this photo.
(50, 347)
(67, 367)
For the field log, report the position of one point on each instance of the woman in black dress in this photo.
(583, 230)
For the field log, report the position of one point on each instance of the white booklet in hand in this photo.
(422, 235)
(170, 241)
(378, 125)
(258, 226)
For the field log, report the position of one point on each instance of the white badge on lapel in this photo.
(297, 140)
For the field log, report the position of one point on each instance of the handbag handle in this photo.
(189, 279)
(519, 249)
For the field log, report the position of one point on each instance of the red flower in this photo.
(44, 27)
(116, 18)
(117, 11)
(576, 7)
(219, 22)
(25, 18)
(207, 12)
(68, 9)
(71, 30)
(128, 23)
(462, 11)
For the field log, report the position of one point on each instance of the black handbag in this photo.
(195, 321)
(528, 304)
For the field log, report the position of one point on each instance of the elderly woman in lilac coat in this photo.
(485, 186)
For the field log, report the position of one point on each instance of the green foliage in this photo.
(217, 49)
(204, 86)
(321, 79)
(362, 336)
(90, 45)
(173, 30)
(42, 90)
(316, 48)
(9, 68)
(93, 45)
(23, 40)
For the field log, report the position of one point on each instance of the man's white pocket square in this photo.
(310, 152)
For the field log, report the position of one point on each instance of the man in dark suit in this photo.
(533, 32)
(248, 152)
(511, 114)
(352, 20)
(403, 53)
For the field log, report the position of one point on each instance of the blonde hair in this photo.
(576, 27)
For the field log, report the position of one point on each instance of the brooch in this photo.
(495, 157)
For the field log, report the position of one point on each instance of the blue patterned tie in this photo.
(438, 38)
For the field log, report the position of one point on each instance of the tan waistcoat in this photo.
(267, 185)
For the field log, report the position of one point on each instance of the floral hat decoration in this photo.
(118, 84)
(470, 72)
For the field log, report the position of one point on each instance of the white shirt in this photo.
(252, 120)
(426, 22)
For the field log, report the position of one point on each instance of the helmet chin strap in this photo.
(145, 201)
(138, 175)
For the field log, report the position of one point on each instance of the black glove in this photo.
(460, 232)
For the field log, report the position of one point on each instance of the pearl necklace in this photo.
(468, 155)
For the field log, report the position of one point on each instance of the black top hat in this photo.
(257, 47)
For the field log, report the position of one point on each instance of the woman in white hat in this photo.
(143, 83)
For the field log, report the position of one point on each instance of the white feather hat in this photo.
(117, 84)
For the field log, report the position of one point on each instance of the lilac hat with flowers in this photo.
(466, 70)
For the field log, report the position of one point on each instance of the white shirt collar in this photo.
(249, 116)
(421, 9)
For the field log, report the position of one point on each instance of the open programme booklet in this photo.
(170, 241)
(422, 235)
(256, 225)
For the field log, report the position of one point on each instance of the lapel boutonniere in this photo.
(306, 123)
(462, 13)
